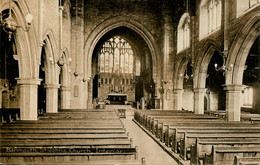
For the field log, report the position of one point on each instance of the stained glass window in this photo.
(116, 56)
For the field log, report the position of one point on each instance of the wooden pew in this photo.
(177, 133)
(161, 127)
(58, 138)
(67, 143)
(139, 116)
(246, 160)
(226, 155)
(190, 139)
(8, 115)
(203, 146)
(151, 119)
(64, 125)
(24, 155)
(247, 117)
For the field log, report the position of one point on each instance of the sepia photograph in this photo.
(129, 82)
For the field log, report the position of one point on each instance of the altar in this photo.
(117, 98)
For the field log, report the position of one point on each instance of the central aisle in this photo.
(147, 148)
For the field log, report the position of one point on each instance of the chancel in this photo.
(129, 82)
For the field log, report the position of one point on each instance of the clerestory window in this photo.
(210, 16)
(183, 37)
(244, 5)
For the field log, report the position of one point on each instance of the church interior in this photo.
(130, 82)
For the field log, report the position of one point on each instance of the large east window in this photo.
(116, 56)
(183, 37)
(210, 16)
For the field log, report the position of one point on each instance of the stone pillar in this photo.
(256, 100)
(177, 97)
(167, 101)
(233, 107)
(65, 97)
(52, 98)
(199, 100)
(90, 93)
(1, 99)
(28, 98)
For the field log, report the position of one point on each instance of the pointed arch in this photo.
(201, 67)
(52, 69)
(179, 74)
(26, 42)
(240, 48)
(116, 22)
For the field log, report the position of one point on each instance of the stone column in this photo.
(52, 98)
(65, 97)
(28, 98)
(1, 98)
(256, 100)
(90, 92)
(199, 100)
(177, 97)
(233, 107)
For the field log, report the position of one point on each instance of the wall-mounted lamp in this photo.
(187, 76)
(223, 68)
(10, 26)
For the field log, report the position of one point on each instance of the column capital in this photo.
(28, 81)
(199, 90)
(52, 85)
(231, 87)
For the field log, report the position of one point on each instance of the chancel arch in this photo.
(122, 71)
(116, 22)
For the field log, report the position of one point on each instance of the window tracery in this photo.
(116, 56)
(210, 16)
(184, 32)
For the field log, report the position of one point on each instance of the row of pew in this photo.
(68, 137)
(202, 138)
(244, 116)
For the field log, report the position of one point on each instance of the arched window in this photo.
(210, 16)
(116, 56)
(244, 5)
(183, 37)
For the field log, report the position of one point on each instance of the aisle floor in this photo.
(147, 147)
